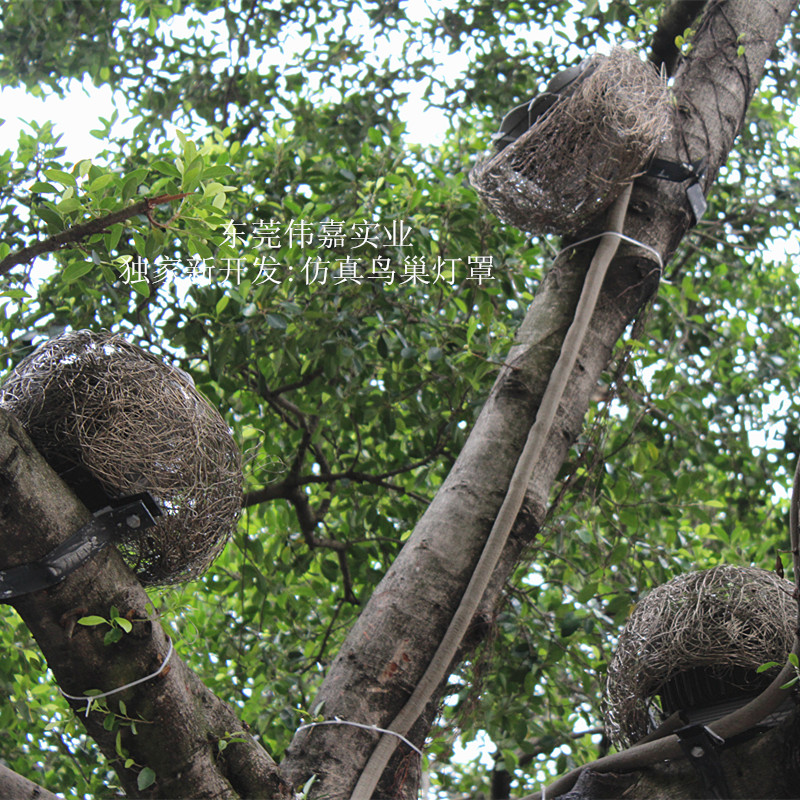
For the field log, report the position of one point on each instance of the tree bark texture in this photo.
(394, 638)
(179, 721)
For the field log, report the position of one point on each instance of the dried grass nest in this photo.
(728, 620)
(571, 164)
(113, 420)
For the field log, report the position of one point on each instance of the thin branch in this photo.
(309, 425)
(286, 409)
(317, 659)
(305, 380)
(347, 580)
(76, 233)
(285, 489)
(68, 750)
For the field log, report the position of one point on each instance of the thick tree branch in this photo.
(19, 788)
(182, 721)
(77, 233)
(388, 648)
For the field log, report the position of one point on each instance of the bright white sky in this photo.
(74, 116)
(79, 112)
(81, 109)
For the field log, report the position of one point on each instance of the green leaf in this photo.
(101, 182)
(142, 288)
(43, 188)
(585, 534)
(166, 168)
(145, 779)
(92, 620)
(125, 624)
(59, 176)
(222, 303)
(113, 636)
(277, 321)
(382, 347)
(76, 271)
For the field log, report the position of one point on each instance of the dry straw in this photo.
(114, 420)
(727, 621)
(574, 161)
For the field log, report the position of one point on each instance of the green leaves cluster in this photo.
(118, 625)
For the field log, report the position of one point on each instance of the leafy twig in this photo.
(77, 233)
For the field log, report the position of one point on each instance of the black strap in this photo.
(678, 172)
(123, 517)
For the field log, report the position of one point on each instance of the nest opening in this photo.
(571, 164)
(698, 639)
(113, 420)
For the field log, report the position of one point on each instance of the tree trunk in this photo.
(395, 637)
(180, 723)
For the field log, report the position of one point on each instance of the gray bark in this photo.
(398, 631)
(182, 720)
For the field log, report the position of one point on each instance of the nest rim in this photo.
(725, 620)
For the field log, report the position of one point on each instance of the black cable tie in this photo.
(680, 171)
(700, 744)
(676, 171)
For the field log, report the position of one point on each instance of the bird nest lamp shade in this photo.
(698, 640)
(596, 135)
(114, 420)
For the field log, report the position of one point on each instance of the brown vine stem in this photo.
(76, 233)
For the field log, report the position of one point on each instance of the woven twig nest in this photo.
(724, 622)
(572, 163)
(114, 420)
